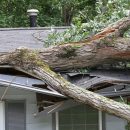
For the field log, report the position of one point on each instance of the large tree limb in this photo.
(93, 51)
(104, 47)
(114, 30)
(84, 96)
(91, 54)
(28, 61)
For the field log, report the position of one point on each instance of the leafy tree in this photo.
(74, 9)
(51, 12)
(113, 11)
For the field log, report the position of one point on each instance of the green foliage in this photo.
(10, 16)
(75, 33)
(106, 14)
(75, 9)
(127, 126)
(13, 12)
(51, 12)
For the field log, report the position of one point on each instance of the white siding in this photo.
(32, 122)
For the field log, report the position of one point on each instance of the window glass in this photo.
(81, 117)
(15, 115)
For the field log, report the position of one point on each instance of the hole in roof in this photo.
(12, 71)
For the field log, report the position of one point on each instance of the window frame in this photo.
(6, 109)
(101, 120)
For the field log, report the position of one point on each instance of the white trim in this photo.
(100, 120)
(61, 106)
(2, 115)
(35, 89)
(57, 120)
(32, 12)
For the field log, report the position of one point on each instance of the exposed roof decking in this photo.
(96, 78)
(27, 84)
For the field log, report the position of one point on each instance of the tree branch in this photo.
(30, 62)
(81, 95)
(81, 55)
(114, 30)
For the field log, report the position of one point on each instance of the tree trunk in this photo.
(93, 51)
(106, 46)
(67, 14)
(28, 61)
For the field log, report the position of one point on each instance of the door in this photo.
(15, 115)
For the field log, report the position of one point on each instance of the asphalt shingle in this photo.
(33, 38)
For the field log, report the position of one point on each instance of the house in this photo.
(27, 103)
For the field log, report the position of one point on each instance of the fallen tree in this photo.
(106, 46)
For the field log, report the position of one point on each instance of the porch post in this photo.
(57, 121)
(2, 115)
(100, 119)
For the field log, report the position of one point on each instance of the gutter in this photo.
(34, 89)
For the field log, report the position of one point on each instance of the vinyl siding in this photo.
(40, 122)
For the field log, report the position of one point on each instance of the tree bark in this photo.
(106, 46)
(81, 55)
(30, 62)
(93, 51)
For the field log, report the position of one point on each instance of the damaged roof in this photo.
(107, 82)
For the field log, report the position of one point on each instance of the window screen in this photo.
(15, 116)
(81, 117)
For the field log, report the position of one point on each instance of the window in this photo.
(15, 115)
(81, 117)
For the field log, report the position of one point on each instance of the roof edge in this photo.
(34, 28)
